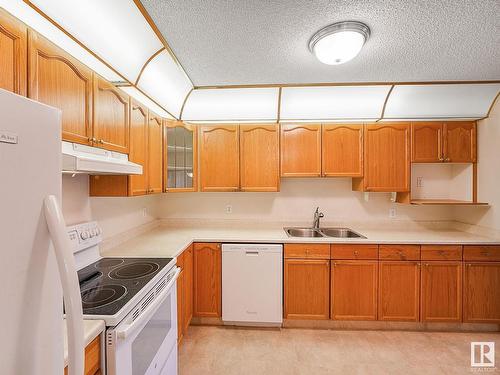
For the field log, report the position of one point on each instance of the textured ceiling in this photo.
(254, 42)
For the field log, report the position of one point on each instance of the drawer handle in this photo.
(485, 253)
(356, 252)
(441, 252)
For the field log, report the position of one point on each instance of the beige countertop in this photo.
(164, 241)
(91, 329)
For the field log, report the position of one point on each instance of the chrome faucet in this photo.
(317, 215)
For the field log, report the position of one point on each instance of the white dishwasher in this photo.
(252, 291)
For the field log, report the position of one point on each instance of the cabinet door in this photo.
(259, 157)
(13, 54)
(354, 290)
(300, 150)
(481, 292)
(426, 142)
(342, 150)
(188, 287)
(155, 147)
(56, 79)
(387, 157)
(307, 289)
(111, 117)
(399, 291)
(181, 157)
(207, 280)
(441, 292)
(219, 158)
(460, 142)
(139, 148)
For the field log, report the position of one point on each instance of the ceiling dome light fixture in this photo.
(340, 42)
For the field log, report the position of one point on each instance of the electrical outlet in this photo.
(229, 209)
(392, 212)
(420, 182)
(144, 212)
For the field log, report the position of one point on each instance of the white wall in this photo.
(488, 175)
(296, 202)
(115, 215)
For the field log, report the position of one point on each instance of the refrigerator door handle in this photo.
(71, 287)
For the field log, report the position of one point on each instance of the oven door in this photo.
(143, 341)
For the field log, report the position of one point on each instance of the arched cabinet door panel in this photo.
(219, 158)
(342, 150)
(56, 79)
(111, 117)
(13, 51)
(300, 150)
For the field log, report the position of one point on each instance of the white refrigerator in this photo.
(32, 275)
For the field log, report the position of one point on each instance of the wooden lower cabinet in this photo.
(354, 290)
(441, 293)
(184, 292)
(399, 291)
(482, 292)
(207, 269)
(307, 289)
(92, 358)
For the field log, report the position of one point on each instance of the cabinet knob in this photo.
(441, 158)
(447, 159)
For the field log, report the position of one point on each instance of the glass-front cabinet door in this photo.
(180, 157)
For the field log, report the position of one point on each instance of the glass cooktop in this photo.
(108, 284)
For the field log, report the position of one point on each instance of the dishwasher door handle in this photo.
(252, 253)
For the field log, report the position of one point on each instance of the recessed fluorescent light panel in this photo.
(235, 105)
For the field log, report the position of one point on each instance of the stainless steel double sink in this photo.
(322, 232)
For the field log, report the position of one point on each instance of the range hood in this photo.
(83, 159)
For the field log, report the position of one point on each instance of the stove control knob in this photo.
(85, 235)
(93, 232)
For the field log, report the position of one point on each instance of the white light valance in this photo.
(325, 103)
(165, 82)
(115, 30)
(144, 100)
(232, 105)
(38, 23)
(436, 101)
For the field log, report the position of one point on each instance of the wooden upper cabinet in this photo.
(155, 159)
(259, 157)
(207, 270)
(459, 142)
(111, 117)
(387, 157)
(138, 184)
(57, 79)
(441, 299)
(307, 289)
(300, 150)
(399, 291)
(180, 156)
(427, 142)
(13, 54)
(342, 150)
(354, 290)
(219, 158)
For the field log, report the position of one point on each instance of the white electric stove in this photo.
(137, 299)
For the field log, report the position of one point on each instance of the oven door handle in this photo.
(127, 329)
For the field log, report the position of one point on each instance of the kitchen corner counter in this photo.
(170, 241)
(91, 329)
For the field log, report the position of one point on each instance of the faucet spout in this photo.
(317, 216)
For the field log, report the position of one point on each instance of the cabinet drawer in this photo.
(441, 252)
(354, 251)
(482, 253)
(399, 252)
(307, 251)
